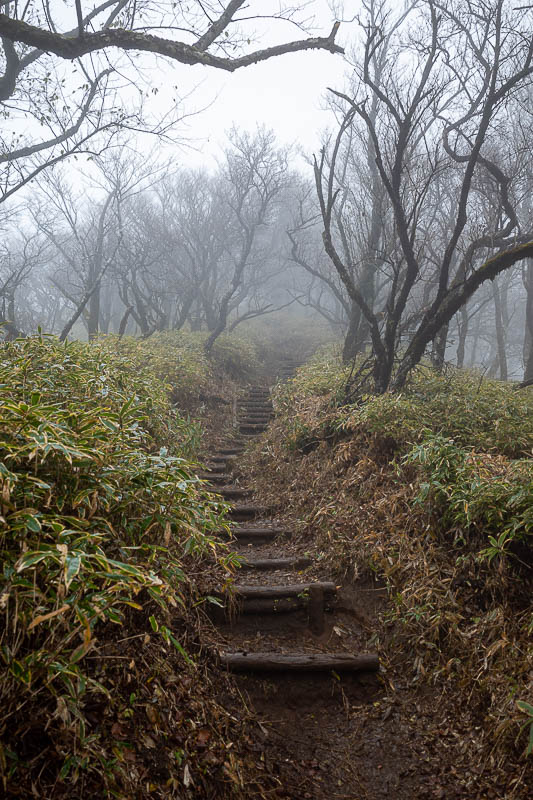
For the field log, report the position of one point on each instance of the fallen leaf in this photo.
(203, 737)
(187, 777)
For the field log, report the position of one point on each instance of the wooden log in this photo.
(231, 492)
(215, 477)
(276, 563)
(287, 590)
(243, 533)
(299, 662)
(279, 605)
(238, 513)
(230, 451)
(253, 429)
(315, 609)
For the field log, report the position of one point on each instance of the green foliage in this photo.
(177, 358)
(323, 374)
(100, 508)
(527, 709)
(469, 491)
(489, 416)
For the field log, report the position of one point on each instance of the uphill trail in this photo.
(331, 721)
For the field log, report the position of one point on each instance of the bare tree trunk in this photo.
(438, 353)
(352, 339)
(124, 322)
(500, 332)
(462, 331)
(93, 322)
(79, 311)
(527, 277)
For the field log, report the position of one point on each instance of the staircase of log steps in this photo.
(276, 586)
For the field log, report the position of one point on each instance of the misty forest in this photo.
(266, 399)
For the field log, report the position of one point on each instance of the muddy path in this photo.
(333, 717)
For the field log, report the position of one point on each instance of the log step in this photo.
(252, 428)
(276, 563)
(221, 478)
(230, 451)
(299, 662)
(231, 492)
(316, 597)
(216, 469)
(274, 592)
(238, 513)
(257, 535)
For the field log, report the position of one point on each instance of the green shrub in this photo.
(100, 510)
(177, 358)
(469, 491)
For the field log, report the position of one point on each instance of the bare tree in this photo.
(441, 108)
(58, 112)
(254, 175)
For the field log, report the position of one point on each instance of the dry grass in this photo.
(454, 618)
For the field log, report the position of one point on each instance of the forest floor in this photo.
(350, 736)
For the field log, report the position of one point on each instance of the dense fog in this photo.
(408, 231)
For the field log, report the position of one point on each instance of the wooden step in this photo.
(230, 451)
(257, 534)
(273, 592)
(260, 564)
(217, 469)
(220, 478)
(253, 429)
(231, 492)
(244, 512)
(299, 662)
(316, 597)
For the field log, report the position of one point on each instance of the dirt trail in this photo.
(329, 723)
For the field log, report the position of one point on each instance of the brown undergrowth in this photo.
(418, 491)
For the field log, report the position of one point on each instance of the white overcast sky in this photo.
(285, 93)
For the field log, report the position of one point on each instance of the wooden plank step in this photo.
(299, 662)
(230, 451)
(257, 534)
(254, 592)
(221, 478)
(316, 597)
(296, 562)
(252, 428)
(244, 512)
(216, 469)
(278, 605)
(231, 492)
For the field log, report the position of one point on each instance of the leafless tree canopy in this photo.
(410, 234)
